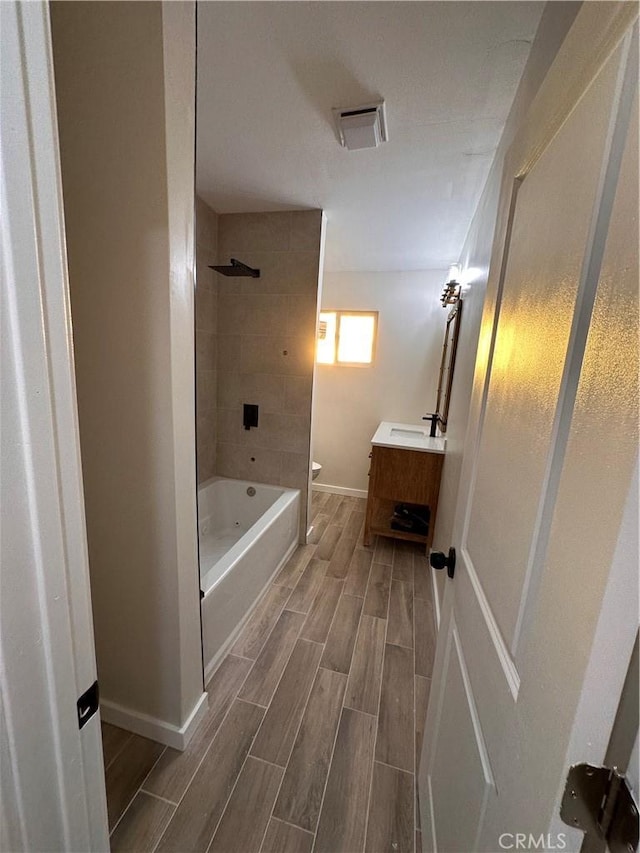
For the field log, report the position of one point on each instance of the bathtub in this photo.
(246, 532)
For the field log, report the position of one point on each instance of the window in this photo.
(347, 337)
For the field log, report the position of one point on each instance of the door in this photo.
(549, 458)
(52, 774)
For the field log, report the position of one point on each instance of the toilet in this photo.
(316, 467)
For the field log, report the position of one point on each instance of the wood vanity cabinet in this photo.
(399, 475)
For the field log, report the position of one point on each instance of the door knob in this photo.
(439, 561)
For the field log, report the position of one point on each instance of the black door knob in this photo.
(438, 560)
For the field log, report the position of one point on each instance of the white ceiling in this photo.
(269, 74)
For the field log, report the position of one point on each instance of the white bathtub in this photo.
(244, 540)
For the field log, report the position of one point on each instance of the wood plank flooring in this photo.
(316, 715)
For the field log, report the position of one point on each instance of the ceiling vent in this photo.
(362, 127)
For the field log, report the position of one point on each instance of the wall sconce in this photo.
(452, 289)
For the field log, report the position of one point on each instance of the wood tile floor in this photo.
(315, 715)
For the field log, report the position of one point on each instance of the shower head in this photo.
(237, 268)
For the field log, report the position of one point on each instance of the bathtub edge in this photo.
(216, 660)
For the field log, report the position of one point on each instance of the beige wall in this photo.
(476, 255)
(402, 383)
(206, 339)
(266, 340)
(126, 92)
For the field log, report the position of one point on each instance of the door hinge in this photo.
(88, 704)
(598, 800)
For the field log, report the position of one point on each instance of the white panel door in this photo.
(547, 467)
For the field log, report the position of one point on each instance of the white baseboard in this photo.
(151, 727)
(216, 660)
(340, 490)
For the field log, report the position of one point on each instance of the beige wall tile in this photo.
(262, 389)
(205, 391)
(201, 223)
(206, 320)
(305, 229)
(239, 232)
(280, 272)
(230, 313)
(274, 274)
(214, 391)
(203, 461)
(205, 255)
(206, 225)
(302, 272)
(266, 342)
(301, 315)
(206, 444)
(279, 432)
(228, 352)
(263, 354)
(231, 284)
(213, 310)
(295, 470)
(230, 460)
(295, 475)
(203, 450)
(229, 427)
(206, 426)
(253, 314)
(205, 310)
(229, 390)
(302, 484)
(206, 350)
(243, 463)
(205, 277)
(211, 461)
(277, 354)
(297, 395)
(264, 314)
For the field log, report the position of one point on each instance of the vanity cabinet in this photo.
(399, 475)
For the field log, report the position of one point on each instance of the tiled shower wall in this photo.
(206, 339)
(266, 337)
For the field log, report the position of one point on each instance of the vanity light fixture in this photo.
(452, 288)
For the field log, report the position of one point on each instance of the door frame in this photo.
(53, 788)
(611, 652)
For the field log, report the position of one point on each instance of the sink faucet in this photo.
(434, 418)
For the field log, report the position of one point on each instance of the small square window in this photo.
(347, 337)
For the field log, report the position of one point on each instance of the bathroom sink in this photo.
(408, 437)
(408, 433)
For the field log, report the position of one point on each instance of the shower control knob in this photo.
(438, 560)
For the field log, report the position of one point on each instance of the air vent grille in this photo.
(361, 127)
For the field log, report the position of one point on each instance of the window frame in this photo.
(340, 312)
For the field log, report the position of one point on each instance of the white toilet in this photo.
(316, 467)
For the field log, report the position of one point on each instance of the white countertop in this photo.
(408, 437)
